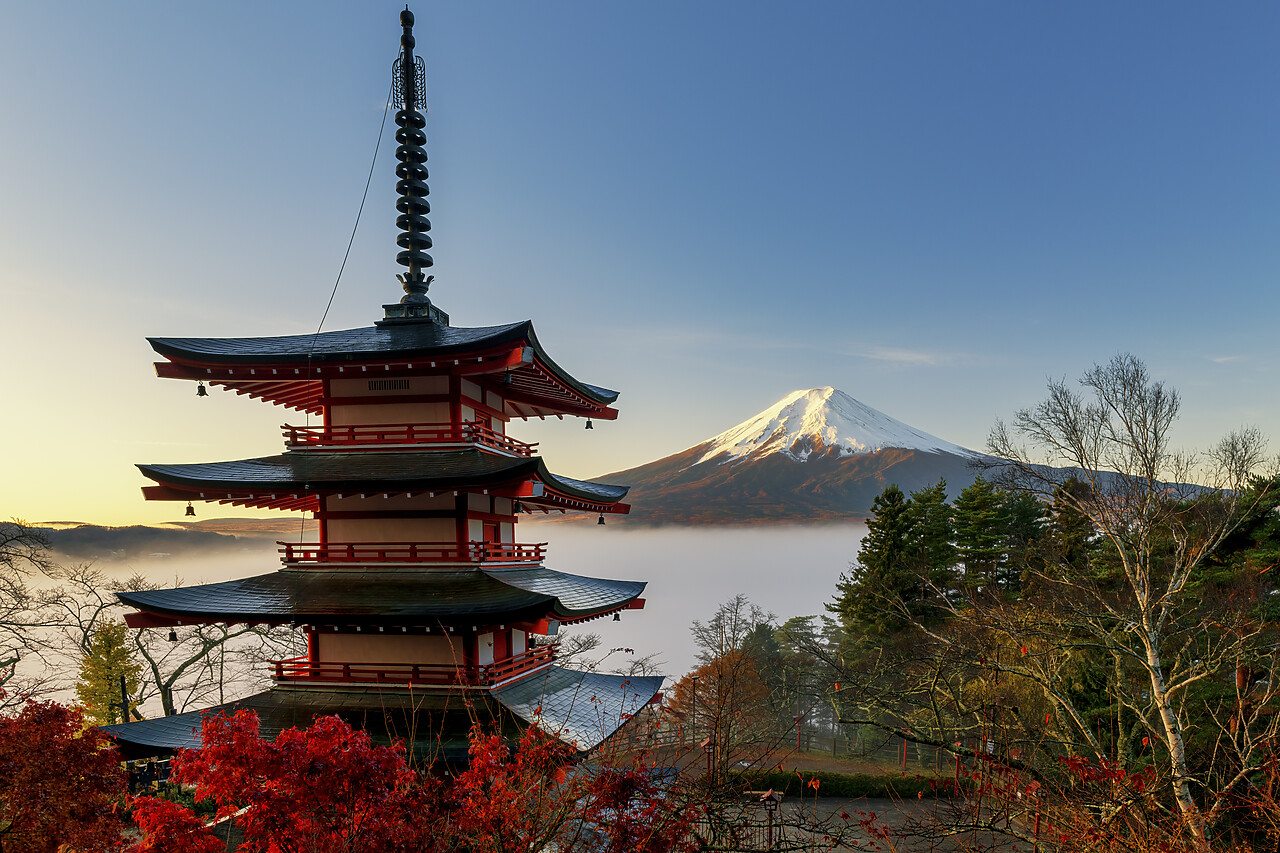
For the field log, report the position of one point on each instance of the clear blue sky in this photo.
(931, 206)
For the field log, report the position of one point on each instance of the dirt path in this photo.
(886, 826)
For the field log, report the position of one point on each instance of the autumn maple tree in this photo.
(61, 784)
(329, 788)
(532, 799)
(326, 788)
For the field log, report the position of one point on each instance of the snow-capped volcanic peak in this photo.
(818, 421)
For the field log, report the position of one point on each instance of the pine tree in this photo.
(1070, 534)
(1025, 519)
(931, 536)
(981, 527)
(110, 656)
(883, 578)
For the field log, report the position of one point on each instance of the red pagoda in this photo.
(418, 604)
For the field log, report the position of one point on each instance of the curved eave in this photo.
(577, 598)
(292, 480)
(289, 370)
(391, 597)
(582, 709)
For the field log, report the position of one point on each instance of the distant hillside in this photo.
(286, 527)
(80, 541)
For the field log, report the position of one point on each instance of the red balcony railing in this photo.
(391, 435)
(302, 669)
(411, 552)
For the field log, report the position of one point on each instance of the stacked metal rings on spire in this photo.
(411, 168)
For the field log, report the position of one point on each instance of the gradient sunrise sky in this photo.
(933, 206)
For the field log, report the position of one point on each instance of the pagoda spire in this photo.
(409, 96)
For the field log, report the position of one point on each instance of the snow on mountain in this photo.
(822, 421)
(816, 456)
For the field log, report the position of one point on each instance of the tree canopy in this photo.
(1103, 598)
(108, 660)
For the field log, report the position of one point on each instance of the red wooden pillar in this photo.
(461, 531)
(455, 402)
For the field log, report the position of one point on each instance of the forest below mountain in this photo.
(1089, 636)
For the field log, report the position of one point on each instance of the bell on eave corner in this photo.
(173, 635)
(589, 426)
(202, 391)
(191, 511)
(617, 617)
(601, 521)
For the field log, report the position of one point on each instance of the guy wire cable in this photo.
(342, 268)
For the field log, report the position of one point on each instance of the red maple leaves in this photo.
(324, 788)
(61, 784)
(329, 788)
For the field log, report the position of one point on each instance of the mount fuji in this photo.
(815, 455)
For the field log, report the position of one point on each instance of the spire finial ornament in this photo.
(409, 97)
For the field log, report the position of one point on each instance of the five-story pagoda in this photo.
(418, 605)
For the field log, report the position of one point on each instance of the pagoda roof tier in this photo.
(289, 370)
(580, 708)
(440, 726)
(390, 597)
(291, 480)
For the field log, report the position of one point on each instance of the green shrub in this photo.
(797, 783)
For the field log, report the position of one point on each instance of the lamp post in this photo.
(693, 707)
(771, 801)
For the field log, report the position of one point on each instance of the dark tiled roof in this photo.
(584, 488)
(413, 470)
(410, 340)
(162, 733)
(437, 724)
(390, 596)
(416, 339)
(576, 594)
(582, 708)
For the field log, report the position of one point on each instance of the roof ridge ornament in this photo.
(408, 94)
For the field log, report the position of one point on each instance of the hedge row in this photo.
(794, 783)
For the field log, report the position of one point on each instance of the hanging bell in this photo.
(173, 635)
(191, 511)
(589, 426)
(506, 378)
(601, 521)
(201, 391)
(617, 617)
(517, 507)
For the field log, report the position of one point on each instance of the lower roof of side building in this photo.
(581, 708)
